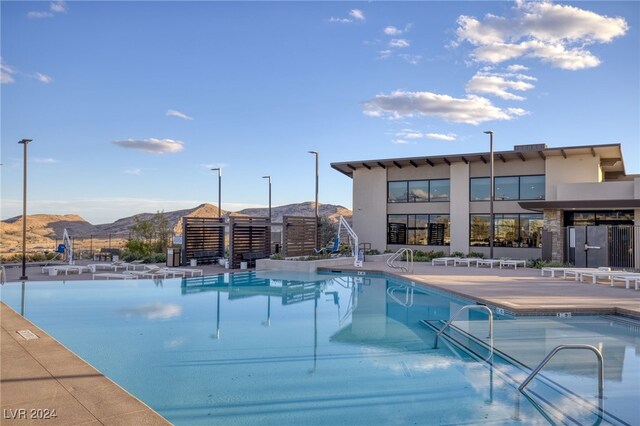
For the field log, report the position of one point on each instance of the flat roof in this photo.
(610, 158)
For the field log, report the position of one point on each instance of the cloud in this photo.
(136, 171)
(399, 43)
(43, 78)
(385, 54)
(54, 7)
(174, 113)
(156, 146)
(516, 68)
(402, 142)
(413, 134)
(6, 73)
(412, 59)
(469, 110)
(556, 34)
(357, 14)
(441, 137)
(392, 31)
(340, 20)
(44, 160)
(499, 84)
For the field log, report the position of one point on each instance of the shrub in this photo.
(276, 256)
(539, 264)
(372, 252)
(457, 254)
(476, 254)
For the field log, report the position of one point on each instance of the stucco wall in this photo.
(595, 191)
(370, 206)
(509, 168)
(459, 207)
(425, 171)
(574, 169)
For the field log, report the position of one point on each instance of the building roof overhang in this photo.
(610, 158)
(580, 204)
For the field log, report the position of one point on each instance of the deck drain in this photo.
(27, 334)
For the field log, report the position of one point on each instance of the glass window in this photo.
(480, 189)
(418, 191)
(506, 230)
(506, 188)
(439, 233)
(439, 190)
(397, 192)
(397, 229)
(531, 230)
(532, 187)
(479, 230)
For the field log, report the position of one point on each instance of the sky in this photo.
(130, 104)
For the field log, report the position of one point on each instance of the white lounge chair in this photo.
(185, 271)
(594, 275)
(513, 262)
(488, 262)
(444, 260)
(468, 261)
(113, 266)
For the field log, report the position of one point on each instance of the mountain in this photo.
(44, 230)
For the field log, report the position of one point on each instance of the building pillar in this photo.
(553, 224)
(459, 207)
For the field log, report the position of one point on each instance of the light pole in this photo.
(269, 177)
(24, 277)
(491, 194)
(316, 233)
(219, 170)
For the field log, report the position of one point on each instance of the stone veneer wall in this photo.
(553, 224)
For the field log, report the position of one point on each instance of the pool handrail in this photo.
(397, 255)
(454, 316)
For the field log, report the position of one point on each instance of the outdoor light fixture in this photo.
(24, 277)
(219, 170)
(316, 233)
(491, 194)
(269, 177)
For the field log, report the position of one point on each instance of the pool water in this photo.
(288, 348)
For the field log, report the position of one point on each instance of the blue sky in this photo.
(129, 104)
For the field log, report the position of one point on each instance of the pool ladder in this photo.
(454, 316)
(398, 256)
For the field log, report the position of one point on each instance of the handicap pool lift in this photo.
(353, 239)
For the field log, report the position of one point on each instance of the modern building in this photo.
(442, 202)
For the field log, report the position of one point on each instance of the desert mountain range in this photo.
(44, 229)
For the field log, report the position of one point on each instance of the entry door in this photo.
(589, 246)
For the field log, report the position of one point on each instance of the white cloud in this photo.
(44, 160)
(156, 146)
(43, 78)
(399, 43)
(392, 31)
(401, 142)
(385, 54)
(441, 136)
(555, 34)
(517, 68)
(174, 113)
(58, 6)
(54, 7)
(153, 311)
(6, 73)
(340, 20)
(499, 85)
(357, 14)
(136, 171)
(409, 134)
(469, 110)
(39, 15)
(412, 59)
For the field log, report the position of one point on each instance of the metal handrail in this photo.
(408, 297)
(563, 347)
(397, 255)
(464, 308)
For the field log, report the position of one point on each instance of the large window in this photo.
(508, 188)
(593, 218)
(418, 229)
(418, 191)
(510, 230)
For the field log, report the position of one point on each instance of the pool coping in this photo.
(40, 375)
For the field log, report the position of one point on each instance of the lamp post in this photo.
(316, 233)
(24, 277)
(219, 170)
(269, 177)
(491, 194)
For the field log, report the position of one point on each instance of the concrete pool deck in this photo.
(43, 374)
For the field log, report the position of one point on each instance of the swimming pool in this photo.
(288, 348)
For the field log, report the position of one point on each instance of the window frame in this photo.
(507, 176)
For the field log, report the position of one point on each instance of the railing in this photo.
(398, 255)
(563, 347)
(454, 316)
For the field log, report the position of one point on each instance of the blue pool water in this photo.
(287, 348)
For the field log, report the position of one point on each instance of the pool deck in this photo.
(43, 374)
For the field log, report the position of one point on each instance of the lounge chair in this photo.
(468, 261)
(553, 270)
(488, 262)
(113, 266)
(513, 262)
(627, 280)
(185, 271)
(594, 275)
(444, 260)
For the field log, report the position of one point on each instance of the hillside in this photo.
(44, 230)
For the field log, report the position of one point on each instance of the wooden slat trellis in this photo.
(202, 239)
(250, 239)
(298, 235)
